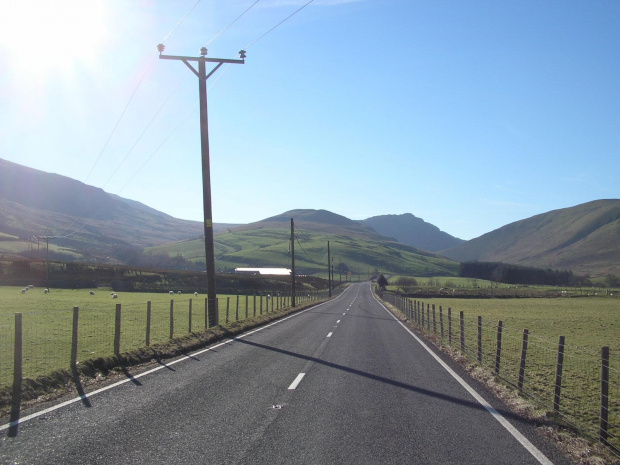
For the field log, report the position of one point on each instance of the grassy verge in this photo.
(60, 381)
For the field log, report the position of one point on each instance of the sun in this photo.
(56, 35)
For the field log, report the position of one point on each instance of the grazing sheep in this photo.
(24, 291)
(171, 292)
(114, 296)
(46, 291)
(179, 292)
(30, 286)
(92, 292)
(195, 293)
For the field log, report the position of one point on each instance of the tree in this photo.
(382, 282)
(406, 283)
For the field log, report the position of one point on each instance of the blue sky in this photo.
(470, 115)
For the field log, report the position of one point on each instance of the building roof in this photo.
(265, 271)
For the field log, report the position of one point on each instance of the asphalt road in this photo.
(343, 382)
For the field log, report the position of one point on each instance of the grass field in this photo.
(587, 324)
(47, 323)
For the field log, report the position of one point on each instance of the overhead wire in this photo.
(237, 19)
(281, 22)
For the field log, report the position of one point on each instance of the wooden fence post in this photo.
(603, 430)
(189, 321)
(254, 305)
(441, 321)
(237, 311)
(523, 357)
(246, 307)
(422, 313)
(206, 313)
(18, 347)
(480, 339)
(498, 352)
(462, 317)
(74, 338)
(148, 323)
(171, 318)
(261, 303)
(428, 317)
(117, 330)
(558, 376)
(434, 321)
(227, 309)
(450, 326)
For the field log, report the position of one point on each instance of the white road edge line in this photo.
(165, 365)
(295, 383)
(330, 334)
(531, 448)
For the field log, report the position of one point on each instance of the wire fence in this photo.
(579, 386)
(39, 343)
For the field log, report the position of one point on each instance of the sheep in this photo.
(171, 292)
(30, 286)
(179, 292)
(92, 292)
(46, 291)
(195, 294)
(114, 296)
(24, 291)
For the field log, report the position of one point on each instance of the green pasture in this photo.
(48, 318)
(587, 323)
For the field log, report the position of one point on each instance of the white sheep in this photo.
(46, 291)
(195, 294)
(114, 296)
(92, 292)
(24, 290)
(179, 292)
(171, 292)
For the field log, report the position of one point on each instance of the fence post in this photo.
(434, 321)
(261, 303)
(450, 326)
(246, 307)
(237, 311)
(148, 323)
(428, 317)
(227, 308)
(480, 339)
(603, 433)
(189, 322)
(462, 318)
(206, 313)
(117, 330)
(254, 305)
(523, 357)
(421, 314)
(441, 321)
(17, 356)
(498, 352)
(171, 318)
(74, 338)
(558, 376)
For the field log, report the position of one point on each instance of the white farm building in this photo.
(264, 271)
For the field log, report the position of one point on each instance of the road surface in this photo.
(343, 382)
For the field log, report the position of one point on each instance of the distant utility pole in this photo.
(213, 316)
(329, 274)
(292, 263)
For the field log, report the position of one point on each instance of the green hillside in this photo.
(269, 247)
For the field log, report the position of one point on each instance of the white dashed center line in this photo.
(295, 383)
(330, 335)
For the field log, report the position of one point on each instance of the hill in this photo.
(86, 221)
(355, 248)
(412, 231)
(584, 239)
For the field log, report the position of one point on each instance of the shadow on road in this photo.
(437, 395)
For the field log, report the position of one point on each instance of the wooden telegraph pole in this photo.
(213, 317)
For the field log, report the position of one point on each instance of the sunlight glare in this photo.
(58, 35)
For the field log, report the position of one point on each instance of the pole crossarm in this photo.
(203, 59)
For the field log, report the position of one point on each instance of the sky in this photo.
(470, 115)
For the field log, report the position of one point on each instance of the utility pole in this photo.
(213, 316)
(292, 263)
(329, 274)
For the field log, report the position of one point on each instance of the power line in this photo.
(238, 18)
(284, 20)
(180, 21)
